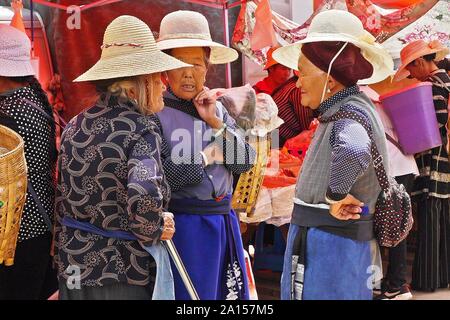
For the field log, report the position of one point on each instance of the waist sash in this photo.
(201, 207)
(89, 227)
(309, 216)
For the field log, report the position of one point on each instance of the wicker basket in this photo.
(249, 184)
(13, 189)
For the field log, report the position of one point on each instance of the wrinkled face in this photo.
(187, 82)
(417, 69)
(155, 97)
(311, 81)
(279, 73)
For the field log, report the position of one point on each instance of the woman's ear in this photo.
(132, 93)
(164, 78)
(331, 83)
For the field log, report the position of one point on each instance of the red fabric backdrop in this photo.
(77, 50)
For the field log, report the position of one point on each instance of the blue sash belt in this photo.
(89, 227)
(202, 207)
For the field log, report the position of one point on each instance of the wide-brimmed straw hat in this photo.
(15, 49)
(129, 49)
(340, 25)
(182, 29)
(417, 49)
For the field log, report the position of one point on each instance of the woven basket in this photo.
(13, 189)
(249, 184)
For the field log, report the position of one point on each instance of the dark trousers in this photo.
(32, 276)
(431, 269)
(397, 267)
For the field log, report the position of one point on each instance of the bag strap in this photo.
(394, 142)
(30, 188)
(41, 209)
(45, 114)
(377, 158)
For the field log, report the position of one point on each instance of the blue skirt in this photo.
(336, 268)
(211, 249)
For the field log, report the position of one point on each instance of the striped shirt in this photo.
(296, 117)
(433, 164)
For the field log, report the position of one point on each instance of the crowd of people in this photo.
(130, 174)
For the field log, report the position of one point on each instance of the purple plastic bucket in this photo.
(413, 116)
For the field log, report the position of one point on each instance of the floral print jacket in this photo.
(110, 175)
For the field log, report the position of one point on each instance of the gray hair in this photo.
(144, 93)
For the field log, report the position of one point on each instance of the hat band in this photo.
(195, 36)
(115, 44)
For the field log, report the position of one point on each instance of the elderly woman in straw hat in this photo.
(200, 167)
(24, 107)
(431, 268)
(112, 191)
(328, 251)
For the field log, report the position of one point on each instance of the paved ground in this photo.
(268, 288)
(268, 282)
(442, 294)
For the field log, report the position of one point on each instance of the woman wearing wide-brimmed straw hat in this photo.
(24, 107)
(112, 192)
(201, 175)
(431, 269)
(328, 251)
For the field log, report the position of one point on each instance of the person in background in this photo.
(277, 74)
(431, 269)
(404, 168)
(24, 108)
(296, 117)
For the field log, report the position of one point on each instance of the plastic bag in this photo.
(267, 118)
(282, 170)
(298, 145)
(240, 103)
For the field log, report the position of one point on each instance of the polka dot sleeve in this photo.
(350, 157)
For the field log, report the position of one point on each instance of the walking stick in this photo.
(181, 269)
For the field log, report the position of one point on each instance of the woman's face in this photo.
(187, 82)
(155, 97)
(311, 80)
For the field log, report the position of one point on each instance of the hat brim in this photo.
(374, 53)
(11, 68)
(402, 73)
(130, 65)
(270, 64)
(219, 53)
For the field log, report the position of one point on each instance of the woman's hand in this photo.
(169, 226)
(348, 208)
(205, 103)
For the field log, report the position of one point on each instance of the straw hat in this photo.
(129, 49)
(182, 29)
(339, 25)
(270, 60)
(14, 53)
(417, 49)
